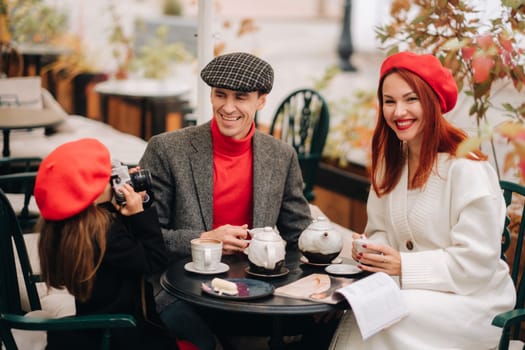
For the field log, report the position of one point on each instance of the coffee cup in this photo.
(206, 253)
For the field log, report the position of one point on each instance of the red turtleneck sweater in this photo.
(232, 178)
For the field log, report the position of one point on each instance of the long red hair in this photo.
(439, 136)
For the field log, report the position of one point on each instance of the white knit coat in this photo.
(453, 279)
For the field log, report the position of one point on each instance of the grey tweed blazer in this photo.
(181, 163)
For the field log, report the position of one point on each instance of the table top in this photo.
(27, 118)
(152, 88)
(42, 49)
(187, 286)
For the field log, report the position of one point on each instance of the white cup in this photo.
(206, 253)
(359, 242)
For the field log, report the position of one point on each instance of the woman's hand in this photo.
(354, 248)
(382, 258)
(233, 237)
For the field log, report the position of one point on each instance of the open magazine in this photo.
(315, 287)
(375, 300)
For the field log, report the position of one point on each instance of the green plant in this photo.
(35, 22)
(355, 128)
(172, 8)
(514, 132)
(485, 56)
(155, 59)
(5, 34)
(76, 62)
(352, 122)
(122, 44)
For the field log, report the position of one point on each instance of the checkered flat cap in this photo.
(239, 71)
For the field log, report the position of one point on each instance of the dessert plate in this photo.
(248, 289)
(284, 271)
(304, 260)
(221, 268)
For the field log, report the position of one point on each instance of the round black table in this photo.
(187, 286)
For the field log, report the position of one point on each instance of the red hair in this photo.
(439, 136)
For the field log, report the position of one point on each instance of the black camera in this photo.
(139, 180)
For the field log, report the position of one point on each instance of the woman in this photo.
(99, 250)
(434, 218)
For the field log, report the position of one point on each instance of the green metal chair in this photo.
(303, 120)
(511, 320)
(11, 311)
(17, 179)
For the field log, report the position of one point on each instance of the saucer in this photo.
(304, 260)
(343, 269)
(284, 272)
(222, 267)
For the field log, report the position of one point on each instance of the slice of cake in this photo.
(222, 286)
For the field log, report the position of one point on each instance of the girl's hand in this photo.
(134, 170)
(133, 203)
(144, 194)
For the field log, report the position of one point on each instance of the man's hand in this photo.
(233, 237)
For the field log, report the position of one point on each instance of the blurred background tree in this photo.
(5, 35)
(172, 8)
(122, 43)
(33, 21)
(156, 59)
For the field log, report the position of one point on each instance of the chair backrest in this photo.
(17, 176)
(10, 165)
(303, 120)
(11, 311)
(11, 243)
(513, 236)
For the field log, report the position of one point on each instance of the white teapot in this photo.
(266, 251)
(320, 243)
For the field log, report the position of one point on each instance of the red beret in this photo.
(71, 177)
(428, 68)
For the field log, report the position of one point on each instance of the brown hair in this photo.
(71, 250)
(388, 152)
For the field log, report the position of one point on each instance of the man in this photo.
(220, 178)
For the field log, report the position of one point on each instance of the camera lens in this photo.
(141, 180)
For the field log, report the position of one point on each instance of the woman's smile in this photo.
(404, 124)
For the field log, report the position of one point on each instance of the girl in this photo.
(98, 250)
